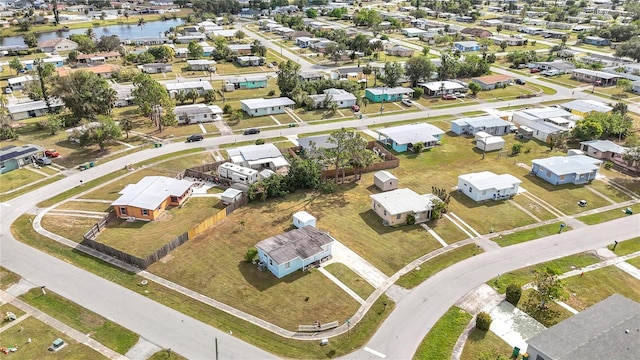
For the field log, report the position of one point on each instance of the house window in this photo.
(470, 189)
(385, 213)
(562, 178)
(145, 212)
(123, 210)
(287, 265)
(174, 199)
(270, 262)
(398, 216)
(548, 173)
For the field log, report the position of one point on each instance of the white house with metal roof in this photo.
(558, 170)
(31, 109)
(202, 65)
(175, 87)
(197, 113)
(259, 157)
(486, 185)
(18, 82)
(150, 197)
(438, 88)
(491, 124)
(342, 98)
(262, 107)
(403, 137)
(487, 142)
(586, 107)
(395, 207)
(545, 122)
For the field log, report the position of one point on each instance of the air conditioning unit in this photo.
(131, 218)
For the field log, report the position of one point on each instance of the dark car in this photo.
(534, 70)
(520, 82)
(252, 131)
(195, 137)
(42, 161)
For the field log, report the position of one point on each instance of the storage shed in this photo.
(385, 180)
(302, 219)
(490, 143)
(230, 196)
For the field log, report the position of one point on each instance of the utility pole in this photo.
(216, 348)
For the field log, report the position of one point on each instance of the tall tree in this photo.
(630, 49)
(56, 12)
(30, 40)
(419, 68)
(85, 94)
(258, 49)
(288, 77)
(344, 142)
(100, 135)
(108, 43)
(44, 71)
(141, 23)
(195, 50)
(548, 285)
(16, 65)
(153, 101)
(126, 124)
(393, 72)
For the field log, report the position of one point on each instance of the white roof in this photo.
(151, 191)
(491, 140)
(230, 193)
(486, 121)
(486, 180)
(437, 85)
(412, 133)
(401, 201)
(606, 146)
(303, 216)
(197, 109)
(258, 154)
(20, 79)
(238, 169)
(225, 33)
(386, 90)
(384, 176)
(542, 113)
(564, 165)
(413, 31)
(201, 62)
(205, 85)
(32, 105)
(264, 103)
(586, 106)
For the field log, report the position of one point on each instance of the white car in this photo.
(407, 102)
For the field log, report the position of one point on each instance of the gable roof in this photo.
(587, 106)
(599, 332)
(300, 243)
(412, 133)
(151, 191)
(542, 113)
(53, 42)
(481, 121)
(605, 146)
(261, 103)
(402, 201)
(565, 165)
(257, 154)
(13, 152)
(384, 176)
(486, 180)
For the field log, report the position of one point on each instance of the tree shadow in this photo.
(374, 222)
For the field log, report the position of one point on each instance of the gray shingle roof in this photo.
(299, 243)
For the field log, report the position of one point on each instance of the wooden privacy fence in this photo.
(97, 227)
(207, 223)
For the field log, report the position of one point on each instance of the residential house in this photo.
(57, 61)
(558, 66)
(385, 180)
(486, 142)
(297, 34)
(57, 45)
(351, 73)
(240, 49)
(585, 107)
(490, 124)
(200, 86)
(400, 51)
(342, 98)
(486, 185)
(531, 30)
(294, 250)
(386, 94)
(31, 109)
(558, 170)
(202, 65)
(310, 76)
(248, 82)
(321, 46)
(238, 174)
(104, 70)
(262, 107)
(250, 60)
(413, 32)
(606, 60)
(124, 96)
(304, 41)
(98, 58)
(147, 41)
(402, 138)
(490, 22)
(230, 196)
(282, 31)
(466, 46)
(545, 123)
(606, 330)
(397, 206)
(156, 68)
(228, 34)
(197, 113)
(607, 150)
(150, 197)
(509, 40)
(597, 78)
(552, 34)
(259, 157)
(596, 41)
(438, 88)
(249, 13)
(185, 39)
(636, 86)
(490, 82)
(13, 157)
(476, 32)
(19, 82)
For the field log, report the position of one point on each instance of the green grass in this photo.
(439, 342)
(85, 206)
(626, 247)
(42, 335)
(551, 315)
(529, 234)
(609, 191)
(16, 178)
(102, 330)
(481, 342)
(70, 227)
(598, 285)
(525, 275)
(447, 230)
(165, 355)
(351, 279)
(635, 262)
(427, 269)
(5, 308)
(7, 278)
(30, 188)
(608, 215)
(563, 197)
(533, 207)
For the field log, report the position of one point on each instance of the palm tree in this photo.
(90, 33)
(141, 23)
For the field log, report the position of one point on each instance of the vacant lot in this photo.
(7, 278)
(608, 215)
(598, 285)
(71, 227)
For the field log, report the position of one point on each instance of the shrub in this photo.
(411, 219)
(227, 109)
(260, 142)
(418, 92)
(250, 255)
(271, 92)
(483, 321)
(514, 292)
(608, 165)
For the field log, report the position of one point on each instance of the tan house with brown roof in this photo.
(57, 45)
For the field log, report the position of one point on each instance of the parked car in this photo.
(534, 70)
(448, 97)
(8, 90)
(52, 153)
(406, 102)
(550, 72)
(355, 108)
(582, 203)
(459, 95)
(42, 161)
(520, 82)
(195, 137)
(252, 131)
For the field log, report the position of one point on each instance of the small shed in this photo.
(525, 132)
(490, 143)
(572, 152)
(230, 196)
(302, 219)
(385, 180)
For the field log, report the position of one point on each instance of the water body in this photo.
(123, 31)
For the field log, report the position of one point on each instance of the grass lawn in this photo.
(102, 330)
(549, 316)
(42, 335)
(439, 342)
(608, 215)
(533, 207)
(529, 234)
(509, 92)
(427, 269)
(630, 183)
(563, 197)
(165, 355)
(626, 247)
(609, 191)
(321, 114)
(264, 339)
(598, 285)
(83, 205)
(351, 279)
(71, 227)
(447, 230)
(16, 178)
(525, 275)
(480, 343)
(7, 278)
(5, 308)
(635, 262)
(151, 235)
(15, 194)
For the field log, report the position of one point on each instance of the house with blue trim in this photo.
(248, 82)
(57, 61)
(466, 46)
(491, 124)
(294, 250)
(596, 40)
(402, 138)
(13, 157)
(558, 170)
(384, 94)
